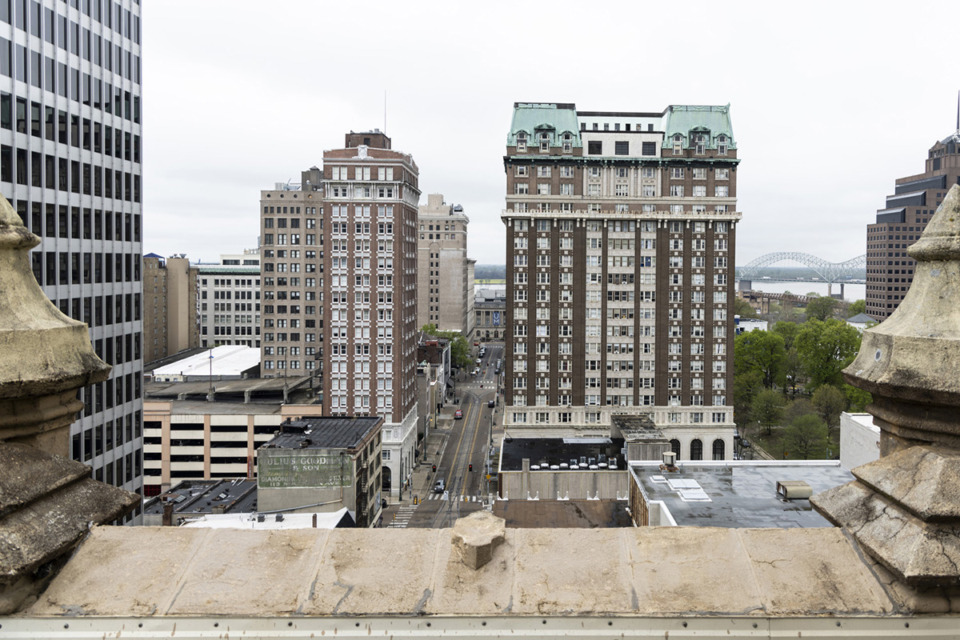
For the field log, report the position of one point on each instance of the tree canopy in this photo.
(821, 307)
(826, 348)
(762, 351)
(459, 348)
(805, 438)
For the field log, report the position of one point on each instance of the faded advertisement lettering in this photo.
(311, 468)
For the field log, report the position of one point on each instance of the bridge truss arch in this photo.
(829, 272)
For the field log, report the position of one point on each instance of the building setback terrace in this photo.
(888, 570)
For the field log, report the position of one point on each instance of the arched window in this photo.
(696, 449)
(675, 446)
(718, 449)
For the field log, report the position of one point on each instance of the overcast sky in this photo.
(831, 102)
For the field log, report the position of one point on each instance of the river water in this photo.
(851, 292)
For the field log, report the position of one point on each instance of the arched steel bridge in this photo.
(829, 272)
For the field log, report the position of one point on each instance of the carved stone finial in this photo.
(904, 509)
(45, 357)
(47, 501)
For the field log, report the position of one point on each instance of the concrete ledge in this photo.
(671, 571)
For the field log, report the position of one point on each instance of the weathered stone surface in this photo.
(667, 568)
(535, 572)
(211, 581)
(812, 572)
(477, 536)
(374, 571)
(563, 571)
(29, 474)
(50, 526)
(917, 552)
(924, 480)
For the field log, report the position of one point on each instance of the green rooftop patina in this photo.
(684, 119)
(551, 118)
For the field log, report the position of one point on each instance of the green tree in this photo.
(459, 347)
(825, 348)
(829, 402)
(792, 371)
(760, 351)
(805, 438)
(743, 309)
(788, 330)
(821, 308)
(857, 306)
(797, 408)
(745, 388)
(857, 399)
(767, 409)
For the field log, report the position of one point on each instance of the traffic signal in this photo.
(434, 468)
(470, 467)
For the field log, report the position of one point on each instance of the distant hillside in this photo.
(490, 271)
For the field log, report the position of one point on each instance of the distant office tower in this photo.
(70, 165)
(229, 303)
(444, 273)
(620, 267)
(170, 306)
(900, 223)
(339, 261)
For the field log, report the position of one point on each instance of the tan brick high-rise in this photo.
(338, 273)
(620, 267)
(445, 274)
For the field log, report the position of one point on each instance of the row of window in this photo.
(41, 170)
(63, 267)
(109, 14)
(113, 392)
(103, 437)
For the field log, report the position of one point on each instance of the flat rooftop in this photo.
(254, 387)
(739, 493)
(225, 360)
(324, 433)
(563, 514)
(272, 521)
(200, 496)
(557, 451)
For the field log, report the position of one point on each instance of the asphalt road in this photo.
(466, 444)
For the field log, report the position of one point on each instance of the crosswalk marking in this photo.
(464, 498)
(403, 516)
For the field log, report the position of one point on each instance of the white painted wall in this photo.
(859, 440)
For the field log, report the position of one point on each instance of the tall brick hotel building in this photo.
(621, 231)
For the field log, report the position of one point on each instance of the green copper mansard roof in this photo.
(683, 119)
(553, 118)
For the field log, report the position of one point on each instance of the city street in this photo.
(464, 444)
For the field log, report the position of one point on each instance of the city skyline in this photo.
(833, 94)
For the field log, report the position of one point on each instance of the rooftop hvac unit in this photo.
(669, 458)
(794, 490)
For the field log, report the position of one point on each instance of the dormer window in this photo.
(701, 144)
(722, 145)
(677, 145)
(521, 142)
(544, 142)
(567, 143)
